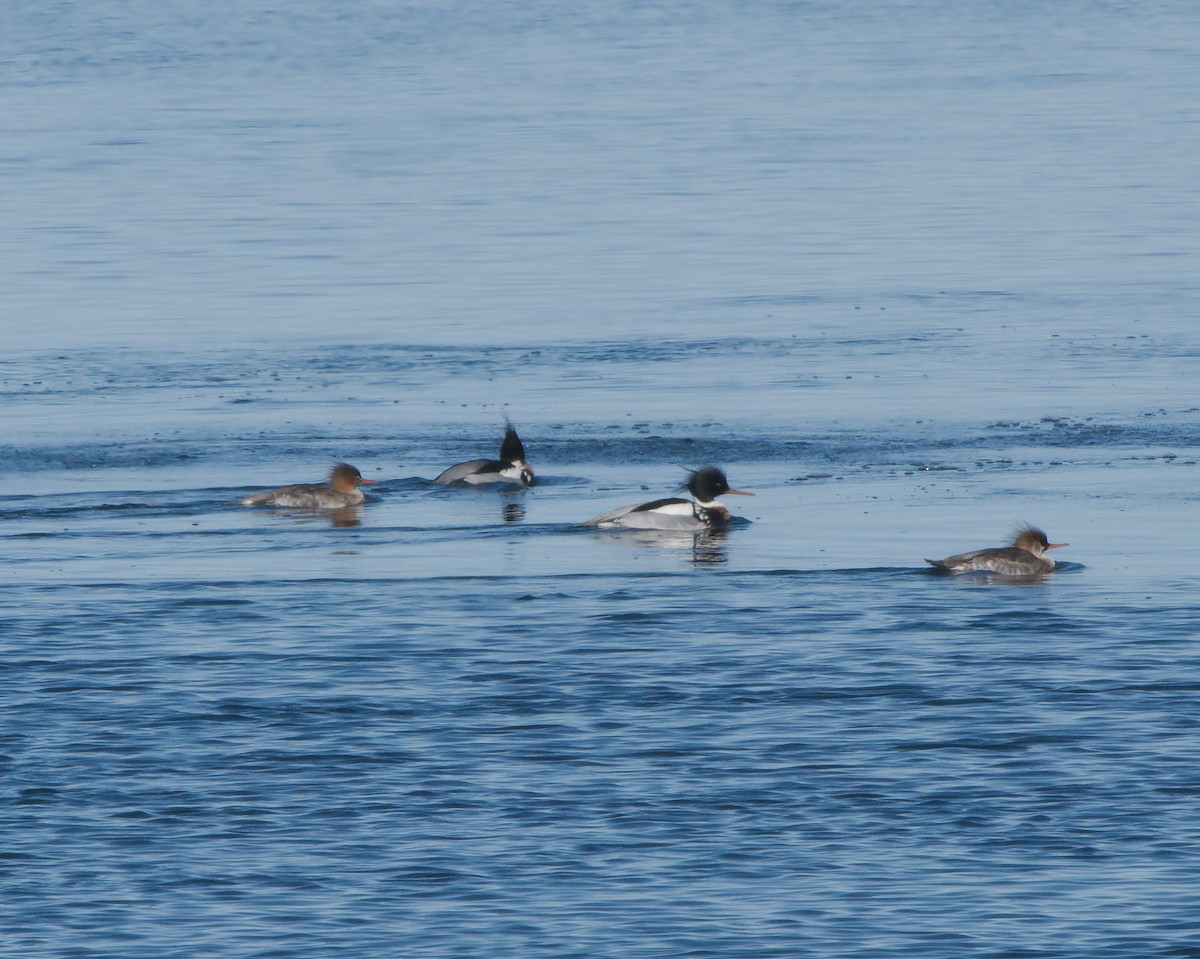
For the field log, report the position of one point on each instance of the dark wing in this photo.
(658, 503)
(512, 450)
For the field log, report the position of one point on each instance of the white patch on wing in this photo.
(673, 509)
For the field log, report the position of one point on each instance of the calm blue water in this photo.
(912, 273)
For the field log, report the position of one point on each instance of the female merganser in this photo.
(510, 468)
(341, 490)
(1025, 557)
(701, 512)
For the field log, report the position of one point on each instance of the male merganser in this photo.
(699, 513)
(510, 468)
(1025, 557)
(341, 490)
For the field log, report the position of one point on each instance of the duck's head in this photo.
(345, 478)
(707, 483)
(1033, 540)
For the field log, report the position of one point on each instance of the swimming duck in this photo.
(341, 490)
(1025, 557)
(510, 468)
(675, 513)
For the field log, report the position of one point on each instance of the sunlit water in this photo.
(911, 274)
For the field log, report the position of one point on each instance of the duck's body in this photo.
(306, 496)
(479, 472)
(341, 490)
(701, 512)
(509, 468)
(1025, 557)
(673, 513)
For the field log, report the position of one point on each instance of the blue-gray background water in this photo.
(911, 272)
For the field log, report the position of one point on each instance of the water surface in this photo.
(912, 275)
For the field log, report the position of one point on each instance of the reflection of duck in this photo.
(706, 547)
(1025, 557)
(341, 490)
(514, 512)
(510, 468)
(345, 517)
(699, 513)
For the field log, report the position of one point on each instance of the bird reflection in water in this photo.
(344, 517)
(708, 547)
(514, 512)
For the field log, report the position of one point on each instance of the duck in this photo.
(1025, 557)
(341, 491)
(701, 512)
(509, 468)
